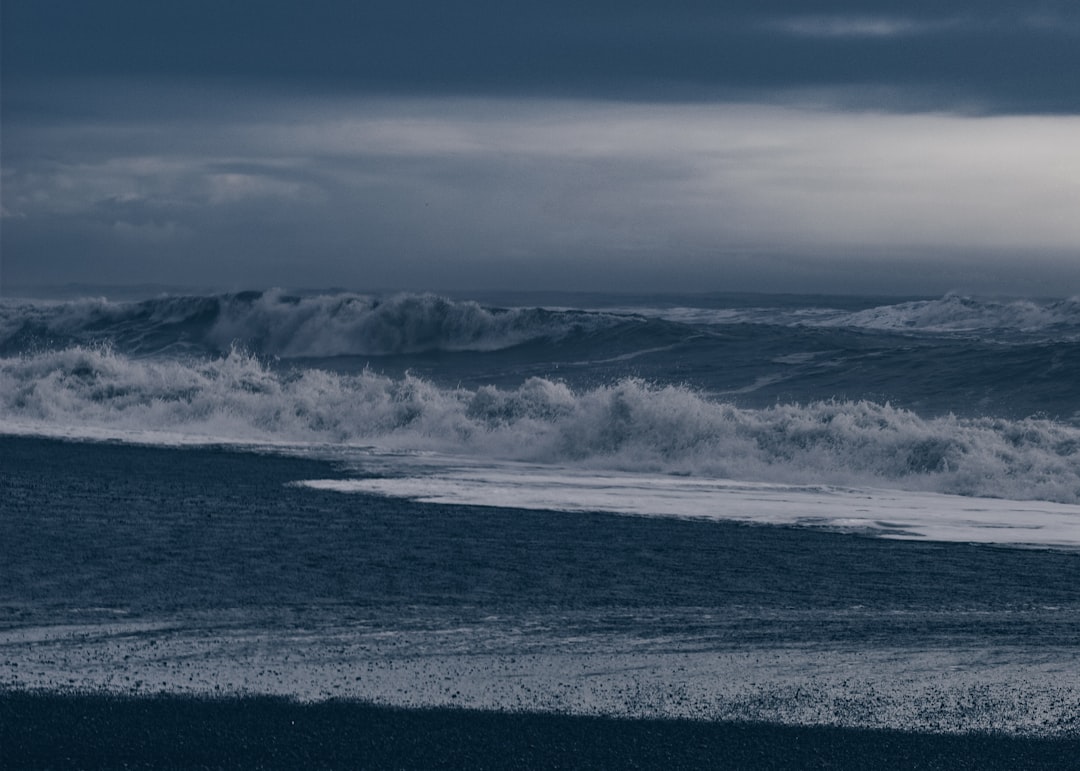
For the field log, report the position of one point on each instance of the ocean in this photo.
(807, 510)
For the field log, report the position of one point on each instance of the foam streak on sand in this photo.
(888, 513)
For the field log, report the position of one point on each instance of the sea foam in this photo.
(274, 323)
(1052, 319)
(627, 425)
(952, 315)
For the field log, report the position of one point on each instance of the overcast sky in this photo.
(796, 146)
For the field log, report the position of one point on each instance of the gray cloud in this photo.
(499, 192)
(859, 26)
(775, 145)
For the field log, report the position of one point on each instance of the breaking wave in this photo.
(627, 425)
(954, 315)
(276, 324)
(1053, 319)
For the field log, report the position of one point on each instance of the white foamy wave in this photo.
(1057, 319)
(630, 425)
(334, 325)
(276, 324)
(953, 314)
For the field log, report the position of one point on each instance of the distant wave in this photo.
(276, 324)
(1053, 320)
(628, 425)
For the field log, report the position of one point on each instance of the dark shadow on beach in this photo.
(39, 730)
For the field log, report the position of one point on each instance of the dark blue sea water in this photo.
(174, 470)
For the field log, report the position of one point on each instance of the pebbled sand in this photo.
(96, 731)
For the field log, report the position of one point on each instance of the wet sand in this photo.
(128, 570)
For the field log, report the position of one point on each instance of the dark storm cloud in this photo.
(791, 146)
(997, 56)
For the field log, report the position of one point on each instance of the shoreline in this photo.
(204, 571)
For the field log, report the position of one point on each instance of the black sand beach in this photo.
(148, 543)
(86, 732)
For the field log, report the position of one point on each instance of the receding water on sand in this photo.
(150, 573)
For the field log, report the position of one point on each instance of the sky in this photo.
(879, 147)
